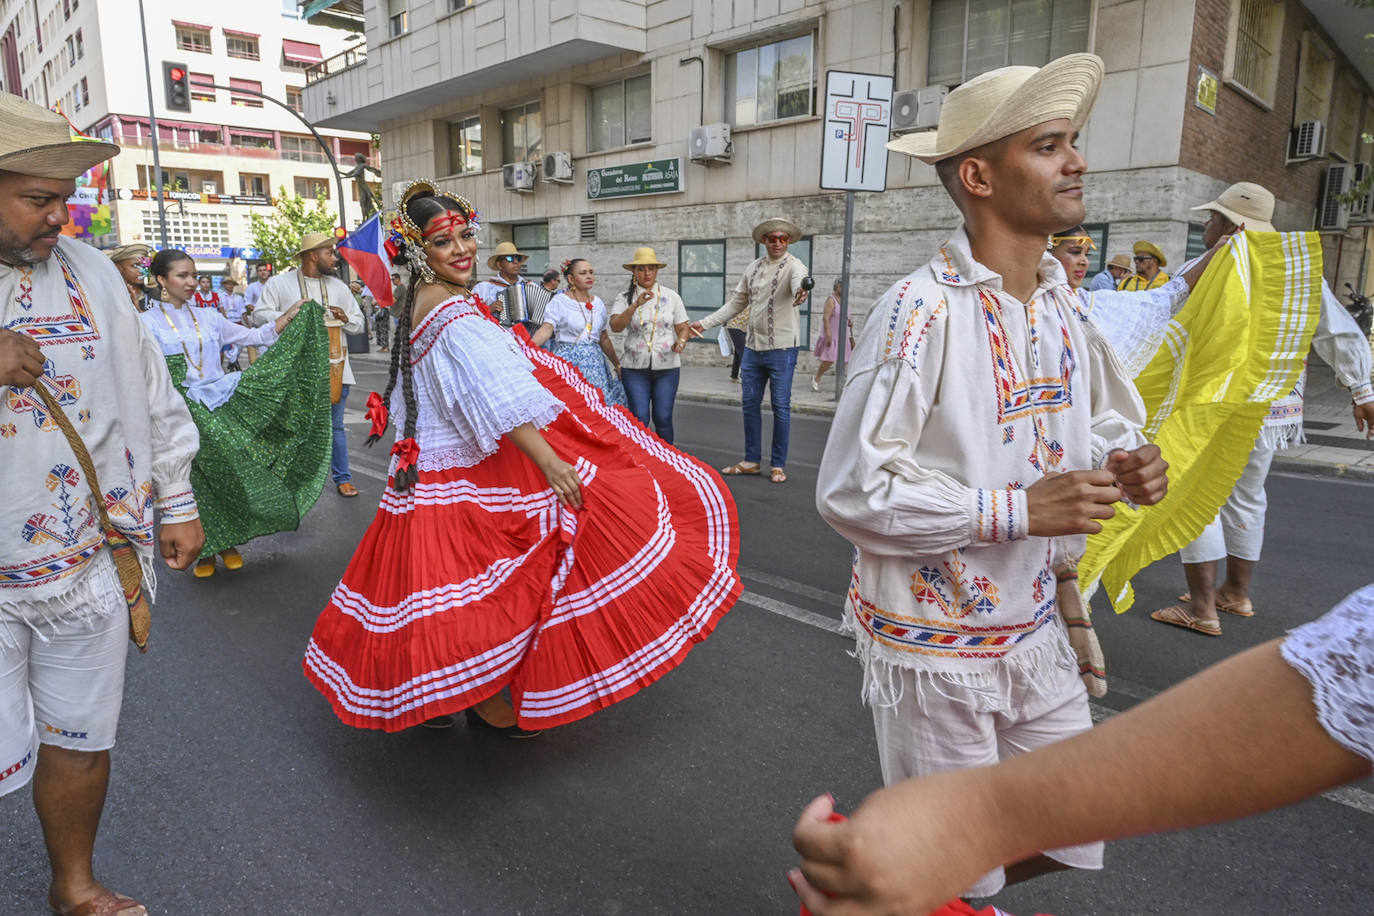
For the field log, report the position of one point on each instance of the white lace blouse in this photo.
(472, 386)
(199, 334)
(1335, 653)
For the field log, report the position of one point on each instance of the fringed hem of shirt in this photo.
(882, 687)
(93, 596)
(1282, 436)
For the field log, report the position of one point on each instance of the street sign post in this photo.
(858, 121)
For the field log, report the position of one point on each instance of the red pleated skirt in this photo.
(477, 579)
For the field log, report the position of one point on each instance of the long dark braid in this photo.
(396, 346)
(404, 480)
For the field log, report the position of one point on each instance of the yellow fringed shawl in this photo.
(1239, 344)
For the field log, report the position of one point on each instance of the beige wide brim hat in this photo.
(1245, 204)
(1143, 247)
(125, 252)
(644, 257)
(1002, 102)
(1123, 261)
(38, 142)
(505, 249)
(312, 240)
(777, 224)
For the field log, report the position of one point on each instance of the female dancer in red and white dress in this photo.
(531, 537)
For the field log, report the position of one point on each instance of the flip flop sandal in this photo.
(1177, 616)
(1240, 608)
(106, 903)
(741, 468)
(777, 475)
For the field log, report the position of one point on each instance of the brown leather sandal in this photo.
(1178, 616)
(105, 903)
(740, 468)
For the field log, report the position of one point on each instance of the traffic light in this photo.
(177, 83)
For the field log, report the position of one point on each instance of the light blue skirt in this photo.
(591, 362)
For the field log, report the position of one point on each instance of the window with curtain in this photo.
(241, 46)
(246, 101)
(465, 146)
(770, 82)
(202, 87)
(190, 39)
(1346, 107)
(397, 17)
(521, 133)
(1252, 48)
(969, 37)
(620, 113)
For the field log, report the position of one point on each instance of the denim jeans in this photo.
(651, 392)
(338, 462)
(775, 368)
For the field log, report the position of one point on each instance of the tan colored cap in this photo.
(644, 257)
(1002, 102)
(1245, 204)
(38, 142)
(777, 224)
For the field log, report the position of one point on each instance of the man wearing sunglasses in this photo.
(507, 261)
(1149, 269)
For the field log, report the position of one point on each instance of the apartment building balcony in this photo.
(480, 46)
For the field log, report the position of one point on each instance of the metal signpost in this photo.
(858, 121)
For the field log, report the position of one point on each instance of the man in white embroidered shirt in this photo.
(984, 419)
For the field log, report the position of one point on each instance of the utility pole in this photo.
(152, 126)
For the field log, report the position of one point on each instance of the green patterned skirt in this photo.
(264, 453)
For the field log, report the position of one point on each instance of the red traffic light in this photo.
(177, 73)
(340, 233)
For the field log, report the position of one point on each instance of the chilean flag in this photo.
(364, 251)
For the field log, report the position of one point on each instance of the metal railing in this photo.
(336, 64)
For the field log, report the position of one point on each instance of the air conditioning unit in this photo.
(209, 187)
(558, 167)
(916, 109)
(1362, 208)
(1333, 215)
(1307, 141)
(710, 143)
(518, 176)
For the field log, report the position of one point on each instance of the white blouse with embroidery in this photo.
(199, 334)
(1335, 653)
(652, 331)
(573, 322)
(472, 386)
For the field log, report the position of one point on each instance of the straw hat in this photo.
(125, 252)
(777, 224)
(38, 142)
(1245, 204)
(1151, 248)
(644, 257)
(312, 240)
(505, 249)
(1123, 261)
(1001, 102)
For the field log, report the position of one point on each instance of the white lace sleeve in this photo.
(1335, 653)
(1134, 323)
(484, 387)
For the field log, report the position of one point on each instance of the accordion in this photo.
(523, 303)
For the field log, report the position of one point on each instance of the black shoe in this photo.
(438, 722)
(512, 731)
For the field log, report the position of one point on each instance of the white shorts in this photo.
(64, 684)
(937, 726)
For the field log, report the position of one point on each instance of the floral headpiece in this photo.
(407, 238)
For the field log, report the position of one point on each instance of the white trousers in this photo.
(1238, 529)
(937, 725)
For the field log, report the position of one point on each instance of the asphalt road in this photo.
(236, 790)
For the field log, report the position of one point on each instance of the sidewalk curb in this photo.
(1323, 468)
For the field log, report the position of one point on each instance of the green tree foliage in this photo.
(279, 236)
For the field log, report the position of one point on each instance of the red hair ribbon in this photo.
(448, 220)
(407, 452)
(377, 413)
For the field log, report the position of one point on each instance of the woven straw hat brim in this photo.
(502, 250)
(1152, 249)
(982, 111)
(644, 257)
(777, 224)
(59, 160)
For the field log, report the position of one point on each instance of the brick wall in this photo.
(1244, 141)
